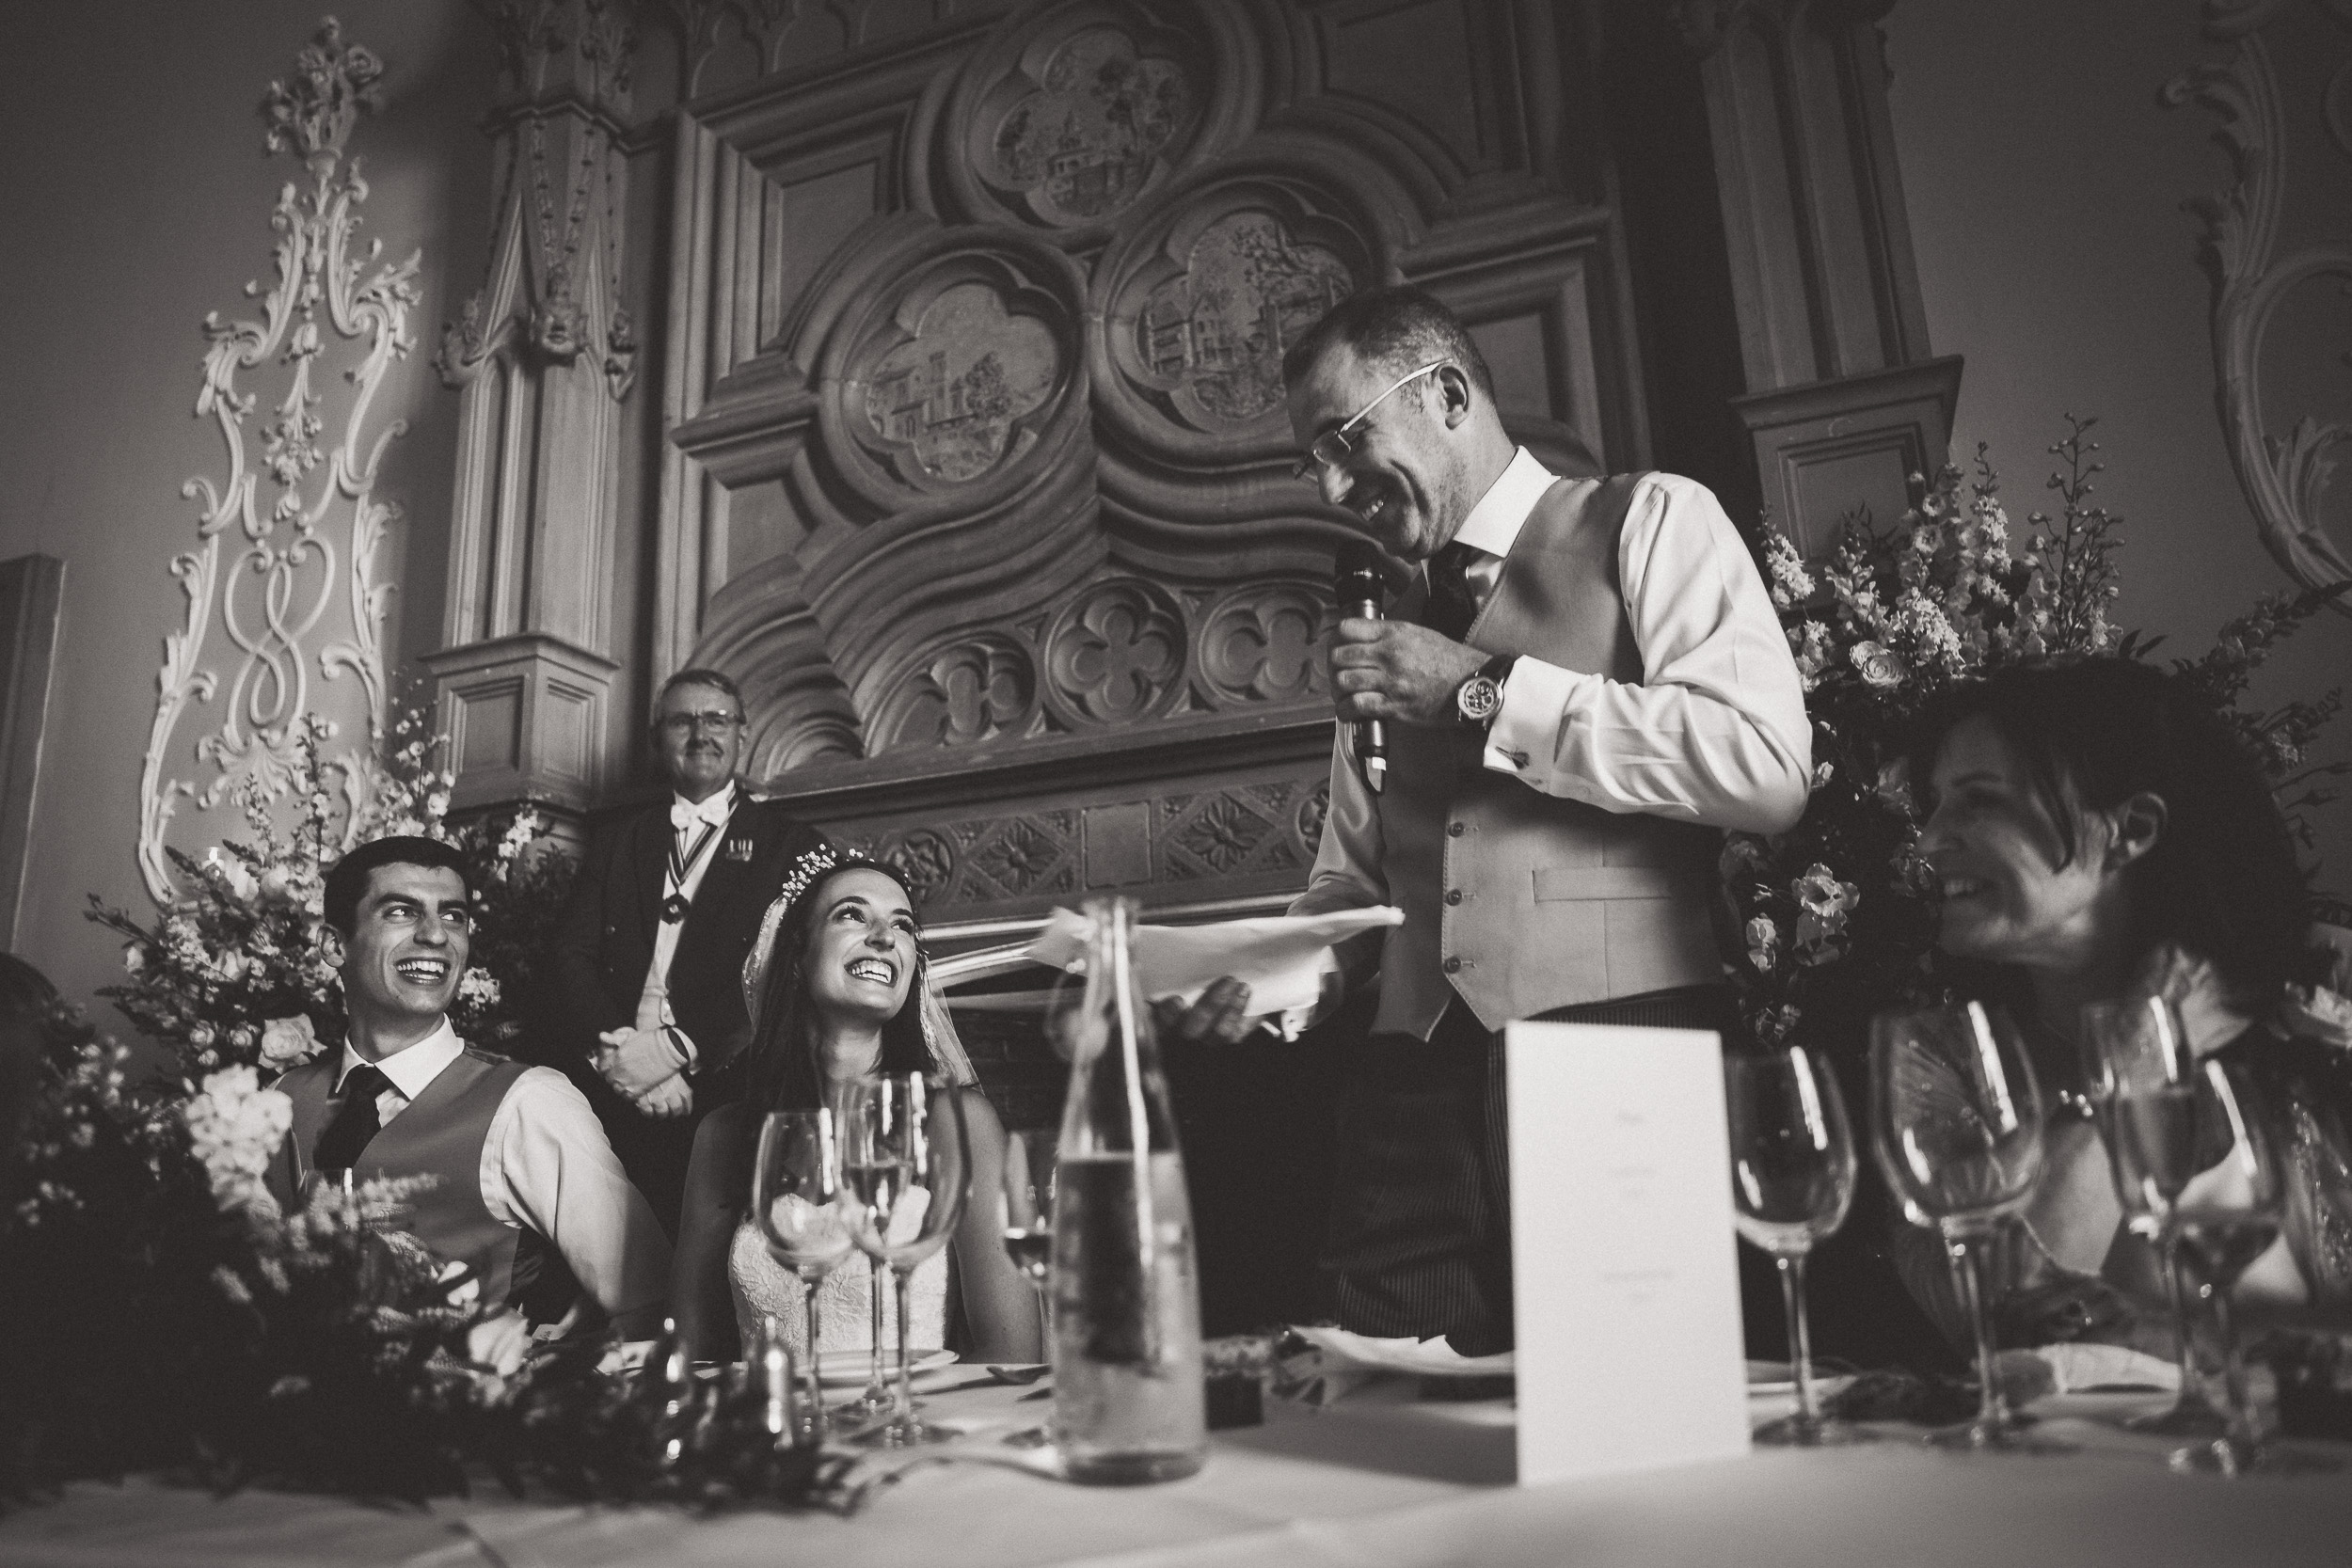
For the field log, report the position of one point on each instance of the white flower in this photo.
(1880, 666)
(1763, 943)
(134, 957)
(479, 987)
(1819, 891)
(234, 1126)
(287, 1040)
(232, 871)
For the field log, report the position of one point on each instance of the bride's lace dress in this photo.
(844, 1313)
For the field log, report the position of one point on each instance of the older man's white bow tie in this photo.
(710, 817)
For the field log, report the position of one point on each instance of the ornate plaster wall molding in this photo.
(2283, 476)
(270, 564)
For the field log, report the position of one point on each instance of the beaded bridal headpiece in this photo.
(811, 865)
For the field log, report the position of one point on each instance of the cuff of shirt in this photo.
(1536, 698)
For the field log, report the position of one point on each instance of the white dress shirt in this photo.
(692, 822)
(1715, 731)
(547, 1167)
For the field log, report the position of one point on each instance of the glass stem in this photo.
(2184, 1330)
(1791, 1267)
(2242, 1432)
(902, 1414)
(876, 1390)
(815, 1383)
(1967, 1255)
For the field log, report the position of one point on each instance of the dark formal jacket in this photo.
(606, 940)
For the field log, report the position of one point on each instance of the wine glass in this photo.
(1792, 1167)
(907, 1163)
(1030, 1159)
(1956, 1122)
(803, 1217)
(2143, 1087)
(2224, 1215)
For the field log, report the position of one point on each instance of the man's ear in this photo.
(1455, 396)
(2137, 825)
(332, 946)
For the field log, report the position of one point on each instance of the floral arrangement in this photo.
(233, 973)
(181, 1321)
(1879, 628)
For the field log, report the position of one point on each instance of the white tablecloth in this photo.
(1357, 1486)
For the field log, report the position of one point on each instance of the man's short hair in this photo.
(348, 880)
(697, 677)
(1396, 330)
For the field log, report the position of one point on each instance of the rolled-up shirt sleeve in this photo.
(548, 1168)
(1715, 731)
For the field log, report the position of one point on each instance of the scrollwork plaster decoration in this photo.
(288, 567)
(2283, 478)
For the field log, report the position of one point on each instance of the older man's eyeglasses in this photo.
(1332, 448)
(710, 720)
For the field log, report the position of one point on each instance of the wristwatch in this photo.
(1477, 700)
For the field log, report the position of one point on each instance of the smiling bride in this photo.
(835, 988)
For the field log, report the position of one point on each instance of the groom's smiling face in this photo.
(408, 948)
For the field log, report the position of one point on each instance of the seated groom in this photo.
(647, 1001)
(526, 1190)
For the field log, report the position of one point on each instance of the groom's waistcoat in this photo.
(441, 1134)
(1521, 901)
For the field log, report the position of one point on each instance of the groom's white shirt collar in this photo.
(411, 1069)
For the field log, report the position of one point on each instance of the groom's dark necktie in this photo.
(1450, 610)
(340, 1145)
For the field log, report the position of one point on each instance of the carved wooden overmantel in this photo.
(977, 476)
(1844, 401)
(544, 352)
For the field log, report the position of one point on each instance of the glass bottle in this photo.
(1128, 1403)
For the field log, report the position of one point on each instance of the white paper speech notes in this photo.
(1625, 1281)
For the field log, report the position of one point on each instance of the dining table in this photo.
(1388, 1479)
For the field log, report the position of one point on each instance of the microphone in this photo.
(1357, 584)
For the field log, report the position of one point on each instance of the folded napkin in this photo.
(1281, 959)
(1336, 1363)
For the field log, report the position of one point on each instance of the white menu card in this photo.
(1626, 1280)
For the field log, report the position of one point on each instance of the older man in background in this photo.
(648, 996)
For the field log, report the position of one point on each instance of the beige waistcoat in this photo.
(1521, 901)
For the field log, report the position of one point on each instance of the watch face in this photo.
(1478, 698)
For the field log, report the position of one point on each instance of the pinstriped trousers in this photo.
(1421, 1221)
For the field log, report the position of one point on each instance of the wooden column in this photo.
(545, 354)
(1844, 400)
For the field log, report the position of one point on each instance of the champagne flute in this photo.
(907, 1163)
(1956, 1119)
(2143, 1089)
(1030, 1159)
(1792, 1167)
(803, 1217)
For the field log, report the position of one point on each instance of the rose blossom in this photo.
(287, 1040)
(1880, 666)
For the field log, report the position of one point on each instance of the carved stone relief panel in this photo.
(1172, 846)
(976, 446)
(1118, 652)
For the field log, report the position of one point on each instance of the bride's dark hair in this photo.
(782, 1073)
